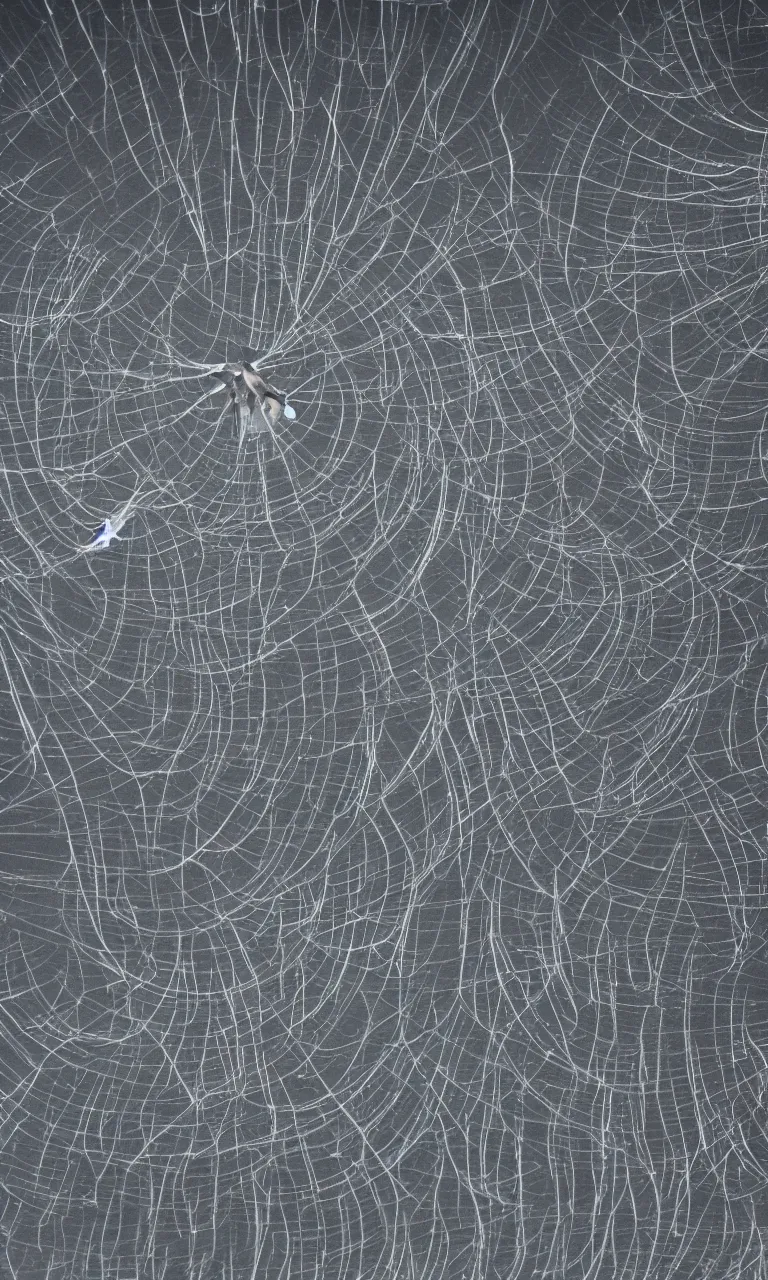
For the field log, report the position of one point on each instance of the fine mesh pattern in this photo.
(384, 808)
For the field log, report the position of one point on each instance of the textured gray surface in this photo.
(384, 814)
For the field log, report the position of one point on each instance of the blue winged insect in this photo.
(109, 530)
(103, 536)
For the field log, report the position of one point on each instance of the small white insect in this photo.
(111, 527)
(103, 536)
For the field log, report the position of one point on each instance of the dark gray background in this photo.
(384, 828)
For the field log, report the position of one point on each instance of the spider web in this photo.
(384, 826)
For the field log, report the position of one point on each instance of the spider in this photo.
(257, 405)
